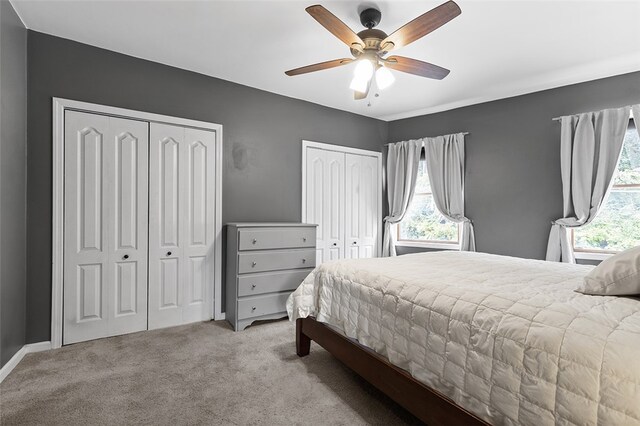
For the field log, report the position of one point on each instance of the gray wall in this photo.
(262, 138)
(13, 183)
(513, 189)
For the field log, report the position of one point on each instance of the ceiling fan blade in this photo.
(334, 25)
(421, 26)
(319, 67)
(360, 95)
(413, 66)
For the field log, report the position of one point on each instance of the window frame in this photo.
(436, 244)
(596, 254)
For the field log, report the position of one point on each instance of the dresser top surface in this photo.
(269, 224)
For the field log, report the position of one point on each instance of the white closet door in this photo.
(314, 203)
(181, 225)
(361, 216)
(335, 206)
(324, 204)
(198, 225)
(105, 232)
(164, 225)
(128, 230)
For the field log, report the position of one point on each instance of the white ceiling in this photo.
(495, 49)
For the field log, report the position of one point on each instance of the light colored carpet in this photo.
(196, 374)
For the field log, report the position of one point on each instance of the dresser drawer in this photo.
(276, 260)
(276, 238)
(262, 305)
(271, 282)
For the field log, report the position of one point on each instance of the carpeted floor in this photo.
(196, 374)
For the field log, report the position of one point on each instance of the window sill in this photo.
(590, 255)
(423, 244)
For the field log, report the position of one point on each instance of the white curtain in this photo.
(636, 117)
(445, 165)
(590, 147)
(403, 159)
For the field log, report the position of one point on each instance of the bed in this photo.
(478, 337)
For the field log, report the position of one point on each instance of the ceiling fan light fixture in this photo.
(359, 84)
(362, 75)
(384, 78)
(369, 47)
(364, 69)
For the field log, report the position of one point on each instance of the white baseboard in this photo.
(17, 357)
(37, 347)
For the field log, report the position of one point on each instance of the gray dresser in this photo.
(265, 263)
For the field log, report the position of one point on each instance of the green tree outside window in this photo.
(423, 221)
(617, 226)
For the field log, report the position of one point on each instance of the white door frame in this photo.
(60, 105)
(347, 150)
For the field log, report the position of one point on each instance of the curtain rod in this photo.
(391, 143)
(571, 115)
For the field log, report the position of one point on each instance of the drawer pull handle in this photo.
(253, 308)
(335, 244)
(126, 256)
(253, 264)
(354, 242)
(304, 260)
(254, 241)
(253, 286)
(304, 239)
(168, 253)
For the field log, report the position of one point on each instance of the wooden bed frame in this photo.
(426, 404)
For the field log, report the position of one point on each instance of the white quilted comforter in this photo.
(506, 338)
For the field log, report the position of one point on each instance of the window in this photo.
(617, 226)
(423, 223)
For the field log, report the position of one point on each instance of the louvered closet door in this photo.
(105, 226)
(181, 225)
(361, 190)
(325, 201)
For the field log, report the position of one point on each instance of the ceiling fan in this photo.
(369, 47)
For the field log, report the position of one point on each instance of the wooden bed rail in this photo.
(423, 402)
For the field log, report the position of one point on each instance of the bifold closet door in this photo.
(105, 226)
(181, 225)
(325, 204)
(362, 199)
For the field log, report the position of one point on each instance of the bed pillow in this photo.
(618, 275)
